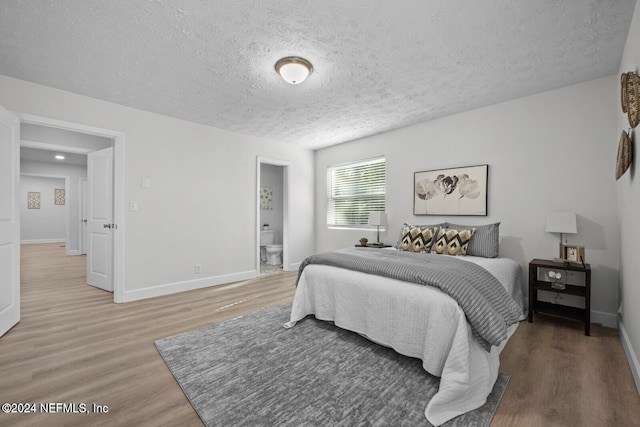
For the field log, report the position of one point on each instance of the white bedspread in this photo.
(415, 320)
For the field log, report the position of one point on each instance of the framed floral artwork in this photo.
(456, 191)
(266, 198)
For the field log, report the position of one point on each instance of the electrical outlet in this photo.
(198, 268)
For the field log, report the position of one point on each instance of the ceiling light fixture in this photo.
(294, 70)
(59, 157)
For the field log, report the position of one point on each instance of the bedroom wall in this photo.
(72, 196)
(628, 191)
(547, 152)
(201, 205)
(46, 224)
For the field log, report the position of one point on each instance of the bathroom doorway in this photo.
(272, 215)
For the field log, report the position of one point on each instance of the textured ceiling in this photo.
(379, 64)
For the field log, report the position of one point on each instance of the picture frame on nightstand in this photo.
(573, 253)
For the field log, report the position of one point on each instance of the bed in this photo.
(415, 320)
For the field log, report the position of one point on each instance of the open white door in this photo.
(84, 207)
(100, 219)
(9, 221)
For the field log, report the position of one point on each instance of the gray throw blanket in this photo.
(487, 305)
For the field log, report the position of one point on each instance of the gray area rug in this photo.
(250, 371)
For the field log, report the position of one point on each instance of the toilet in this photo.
(270, 252)
(274, 254)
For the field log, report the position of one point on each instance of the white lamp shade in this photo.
(294, 70)
(378, 218)
(561, 222)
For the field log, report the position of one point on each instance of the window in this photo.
(354, 190)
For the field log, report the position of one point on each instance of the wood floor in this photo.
(74, 345)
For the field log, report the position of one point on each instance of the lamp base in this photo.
(561, 247)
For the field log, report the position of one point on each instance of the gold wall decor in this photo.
(33, 200)
(623, 159)
(59, 196)
(630, 97)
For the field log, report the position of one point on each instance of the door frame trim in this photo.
(118, 188)
(81, 230)
(286, 210)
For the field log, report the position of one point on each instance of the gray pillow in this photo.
(485, 242)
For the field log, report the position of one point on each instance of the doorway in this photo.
(40, 157)
(272, 214)
(44, 218)
(116, 263)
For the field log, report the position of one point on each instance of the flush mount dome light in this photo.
(294, 70)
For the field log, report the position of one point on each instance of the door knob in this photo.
(84, 220)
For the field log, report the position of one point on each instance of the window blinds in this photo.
(354, 190)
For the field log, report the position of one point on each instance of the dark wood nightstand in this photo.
(577, 280)
(373, 245)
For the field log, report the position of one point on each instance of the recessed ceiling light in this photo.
(59, 157)
(294, 70)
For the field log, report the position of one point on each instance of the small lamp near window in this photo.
(378, 218)
(561, 222)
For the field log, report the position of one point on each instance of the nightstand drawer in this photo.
(577, 278)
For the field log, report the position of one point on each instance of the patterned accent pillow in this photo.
(485, 241)
(451, 241)
(416, 238)
(435, 227)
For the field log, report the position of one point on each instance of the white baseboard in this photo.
(632, 358)
(293, 267)
(37, 241)
(189, 285)
(610, 320)
(74, 252)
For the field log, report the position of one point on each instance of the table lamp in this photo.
(378, 218)
(561, 222)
